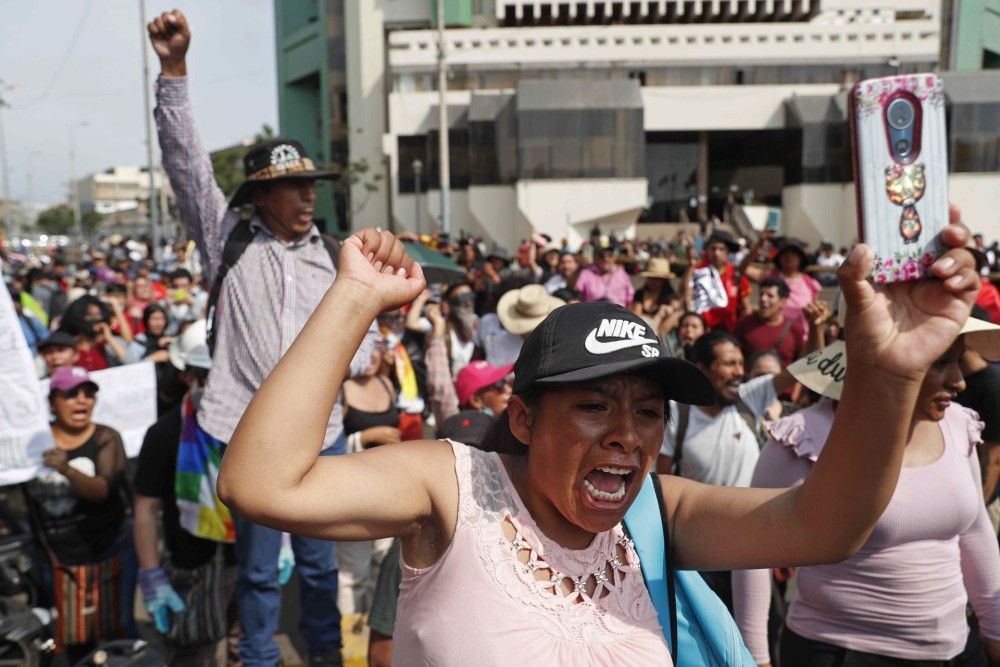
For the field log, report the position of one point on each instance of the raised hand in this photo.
(378, 262)
(170, 37)
(899, 330)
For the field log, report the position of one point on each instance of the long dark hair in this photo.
(74, 320)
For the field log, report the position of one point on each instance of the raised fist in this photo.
(170, 37)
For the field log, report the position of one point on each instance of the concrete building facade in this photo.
(566, 115)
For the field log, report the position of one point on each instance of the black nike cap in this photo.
(588, 341)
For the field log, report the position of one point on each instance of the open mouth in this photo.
(607, 484)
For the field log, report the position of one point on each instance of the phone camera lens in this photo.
(900, 113)
(902, 147)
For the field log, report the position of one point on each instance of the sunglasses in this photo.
(500, 385)
(89, 391)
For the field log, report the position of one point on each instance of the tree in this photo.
(56, 220)
(228, 162)
(90, 221)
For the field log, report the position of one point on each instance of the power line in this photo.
(64, 59)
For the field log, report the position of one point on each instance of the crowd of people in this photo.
(712, 358)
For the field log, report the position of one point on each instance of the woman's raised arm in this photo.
(894, 334)
(272, 472)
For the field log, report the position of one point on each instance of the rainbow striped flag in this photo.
(198, 458)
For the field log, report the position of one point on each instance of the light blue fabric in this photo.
(707, 635)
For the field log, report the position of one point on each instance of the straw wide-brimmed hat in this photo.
(521, 310)
(824, 370)
(658, 267)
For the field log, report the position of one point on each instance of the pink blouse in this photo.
(904, 593)
(503, 593)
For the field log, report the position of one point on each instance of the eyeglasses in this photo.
(89, 391)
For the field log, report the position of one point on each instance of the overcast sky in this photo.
(98, 80)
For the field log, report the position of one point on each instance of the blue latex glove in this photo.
(286, 560)
(159, 597)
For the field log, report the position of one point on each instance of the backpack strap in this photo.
(749, 417)
(236, 244)
(647, 527)
(683, 418)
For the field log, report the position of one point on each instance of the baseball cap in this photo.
(588, 341)
(58, 339)
(468, 427)
(191, 348)
(475, 376)
(65, 378)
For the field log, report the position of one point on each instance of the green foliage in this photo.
(90, 222)
(228, 163)
(56, 220)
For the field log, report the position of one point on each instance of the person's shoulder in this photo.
(105, 435)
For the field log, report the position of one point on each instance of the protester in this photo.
(583, 410)
(371, 419)
(656, 292)
(604, 279)
(867, 609)
(188, 590)
(78, 515)
(768, 328)
(484, 388)
(33, 330)
(88, 320)
(828, 261)
(501, 334)
(565, 275)
(790, 261)
(690, 327)
(56, 351)
(461, 322)
(257, 322)
(713, 287)
(982, 394)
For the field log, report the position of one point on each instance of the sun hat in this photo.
(500, 253)
(468, 427)
(273, 160)
(477, 375)
(791, 244)
(724, 237)
(58, 339)
(66, 378)
(824, 370)
(589, 341)
(191, 348)
(520, 310)
(658, 267)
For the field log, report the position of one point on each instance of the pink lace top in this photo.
(503, 593)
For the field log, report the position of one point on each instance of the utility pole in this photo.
(443, 158)
(7, 223)
(74, 187)
(154, 200)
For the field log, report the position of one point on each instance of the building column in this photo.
(702, 176)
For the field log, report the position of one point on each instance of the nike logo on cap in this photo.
(630, 332)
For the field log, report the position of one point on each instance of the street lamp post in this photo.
(418, 168)
(444, 166)
(74, 187)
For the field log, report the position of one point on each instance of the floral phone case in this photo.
(900, 172)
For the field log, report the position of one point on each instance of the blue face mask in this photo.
(486, 411)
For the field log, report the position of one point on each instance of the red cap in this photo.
(475, 376)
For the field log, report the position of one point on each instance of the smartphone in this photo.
(900, 172)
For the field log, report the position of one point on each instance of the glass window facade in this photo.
(974, 137)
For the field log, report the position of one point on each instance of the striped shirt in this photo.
(266, 298)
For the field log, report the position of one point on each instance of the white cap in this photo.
(191, 348)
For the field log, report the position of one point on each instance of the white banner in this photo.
(126, 401)
(24, 412)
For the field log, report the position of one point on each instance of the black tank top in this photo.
(358, 420)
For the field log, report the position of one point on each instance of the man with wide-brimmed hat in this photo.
(718, 274)
(268, 275)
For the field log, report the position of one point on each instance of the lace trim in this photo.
(591, 595)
